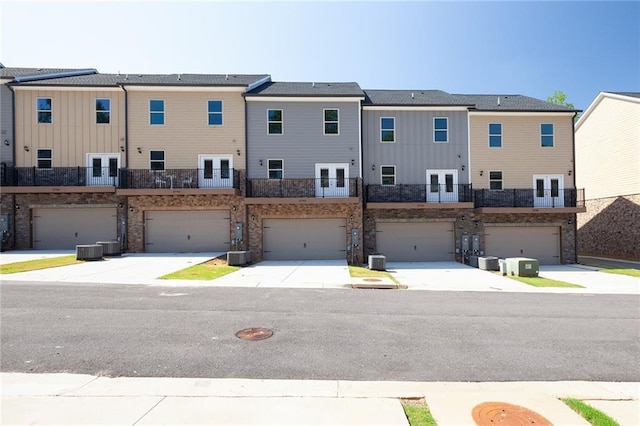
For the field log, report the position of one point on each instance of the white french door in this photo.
(332, 180)
(442, 186)
(102, 169)
(215, 171)
(548, 191)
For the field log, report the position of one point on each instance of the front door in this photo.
(102, 169)
(442, 186)
(332, 180)
(215, 172)
(548, 191)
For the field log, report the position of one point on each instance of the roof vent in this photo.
(313, 84)
(226, 76)
(411, 95)
(498, 101)
(179, 77)
(126, 77)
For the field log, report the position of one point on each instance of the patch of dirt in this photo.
(416, 402)
(218, 261)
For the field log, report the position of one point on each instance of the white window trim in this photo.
(440, 130)
(164, 112)
(38, 110)
(273, 121)
(268, 169)
(553, 135)
(97, 111)
(164, 159)
(221, 113)
(489, 180)
(492, 134)
(50, 158)
(325, 122)
(394, 130)
(394, 175)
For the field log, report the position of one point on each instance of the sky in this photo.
(509, 47)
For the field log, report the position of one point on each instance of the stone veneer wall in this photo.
(352, 212)
(611, 228)
(137, 205)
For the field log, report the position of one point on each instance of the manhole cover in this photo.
(254, 334)
(501, 413)
(372, 280)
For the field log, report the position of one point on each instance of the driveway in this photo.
(592, 279)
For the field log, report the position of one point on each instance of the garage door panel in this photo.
(187, 231)
(537, 242)
(415, 242)
(304, 239)
(64, 228)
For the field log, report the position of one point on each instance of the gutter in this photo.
(63, 74)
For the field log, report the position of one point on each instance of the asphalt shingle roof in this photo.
(413, 97)
(17, 72)
(292, 89)
(629, 94)
(242, 80)
(511, 103)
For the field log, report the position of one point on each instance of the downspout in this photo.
(575, 215)
(125, 221)
(13, 160)
(245, 231)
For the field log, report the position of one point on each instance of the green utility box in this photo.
(522, 266)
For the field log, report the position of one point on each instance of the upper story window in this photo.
(156, 160)
(274, 122)
(331, 122)
(495, 135)
(103, 111)
(43, 108)
(275, 168)
(214, 110)
(388, 175)
(156, 112)
(387, 129)
(546, 134)
(495, 180)
(45, 158)
(441, 129)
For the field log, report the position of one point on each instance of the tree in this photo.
(560, 98)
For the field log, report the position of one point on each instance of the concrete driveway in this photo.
(592, 279)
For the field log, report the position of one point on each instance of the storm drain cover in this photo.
(502, 413)
(254, 334)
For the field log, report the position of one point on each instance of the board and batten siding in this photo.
(73, 132)
(608, 150)
(414, 151)
(303, 143)
(521, 155)
(6, 124)
(186, 132)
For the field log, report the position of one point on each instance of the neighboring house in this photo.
(522, 171)
(304, 193)
(416, 174)
(608, 167)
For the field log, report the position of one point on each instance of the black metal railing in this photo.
(303, 188)
(529, 197)
(181, 178)
(59, 176)
(419, 193)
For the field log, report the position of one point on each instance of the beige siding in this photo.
(608, 149)
(73, 132)
(186, 132)
(521, 155)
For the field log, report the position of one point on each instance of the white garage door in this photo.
(187, 231)
(537, 242)
(304, 239)
(415, 242)
(64, 228)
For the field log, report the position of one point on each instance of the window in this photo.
(275, 167)
(274, 120)
(156, 160)
(44, 158)
(43, 107)
(495, 135)
(387, 129)
(440, 129)
(495, 180)
(388, 175)
(214, 110)
(546, 134)
(156, 112)
(331, 123)
(103, 111)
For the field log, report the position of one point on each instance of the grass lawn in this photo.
(417, 412)
(34, 265)
(630, 272)
(214, 268)
(593, 416)
(544, 282)
(363, 272)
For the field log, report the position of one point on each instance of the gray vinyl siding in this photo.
(6, 125)
(302, 144)
(414, 150)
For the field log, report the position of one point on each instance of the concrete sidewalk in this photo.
(74, 399)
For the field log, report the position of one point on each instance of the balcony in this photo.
(59, 176)
(303, 188)
(529, 198)
(419, 193)
(180, 179)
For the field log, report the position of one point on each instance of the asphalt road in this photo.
(318, 334)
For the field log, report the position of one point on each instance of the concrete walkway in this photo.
(74, 399)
